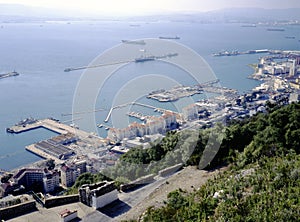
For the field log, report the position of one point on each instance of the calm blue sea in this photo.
(40, 53)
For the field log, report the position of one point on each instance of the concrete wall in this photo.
(101, 201)
(138, 182)
(58, 201)
(170, 170)
(17, 210)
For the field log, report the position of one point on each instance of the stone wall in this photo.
(58, 201)
(170, 170)
(17, 210)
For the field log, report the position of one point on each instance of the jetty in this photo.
(49, 124)
(136, 60)
(9, 74)
(236, 52)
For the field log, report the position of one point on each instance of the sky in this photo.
(150, 6)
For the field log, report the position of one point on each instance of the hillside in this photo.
(262, 184)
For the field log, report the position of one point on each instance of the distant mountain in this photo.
(23, 10)
(258, 13)
(22, 13)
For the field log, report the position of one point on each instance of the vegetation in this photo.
(86, 178)
(267, 191)
(263, 183)
(50, 164)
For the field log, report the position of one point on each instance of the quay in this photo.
(140, 59)
(235, 52)
(51, 125)
(33, 149)
(10, 74)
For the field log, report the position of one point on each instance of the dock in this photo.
(10, 74)
(235, 52)
(31, 148)
(137, 60)
(56, 147)
(51, 125)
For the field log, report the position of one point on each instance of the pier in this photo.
(10, 74)
(83, 112)
(111, 110)
(235, 52)
(31, 148)
(140, 59)
(51, 125)
(56, 147)
(138, 104)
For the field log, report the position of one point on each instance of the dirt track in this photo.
(187, 179)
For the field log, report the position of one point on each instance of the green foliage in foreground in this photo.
(86, 178)
(266, 191)
(263, 183)
(262, 135)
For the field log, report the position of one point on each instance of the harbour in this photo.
(44, 80)
(57, 147)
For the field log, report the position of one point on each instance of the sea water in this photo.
(41, 51)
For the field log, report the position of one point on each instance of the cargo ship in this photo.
(275, 30)
(9, 74)
(169, 37)
(136, 42)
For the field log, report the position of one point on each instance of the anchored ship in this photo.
(136, 42)
(169, 37)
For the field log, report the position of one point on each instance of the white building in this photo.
(98, 195)
(69, 175)
(154, 125)
(50, 181)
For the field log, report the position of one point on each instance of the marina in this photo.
(137, 115)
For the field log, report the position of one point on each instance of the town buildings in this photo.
(31, 179)
(69, 173)
(153, 125)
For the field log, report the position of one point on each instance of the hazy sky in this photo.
(144, 6)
